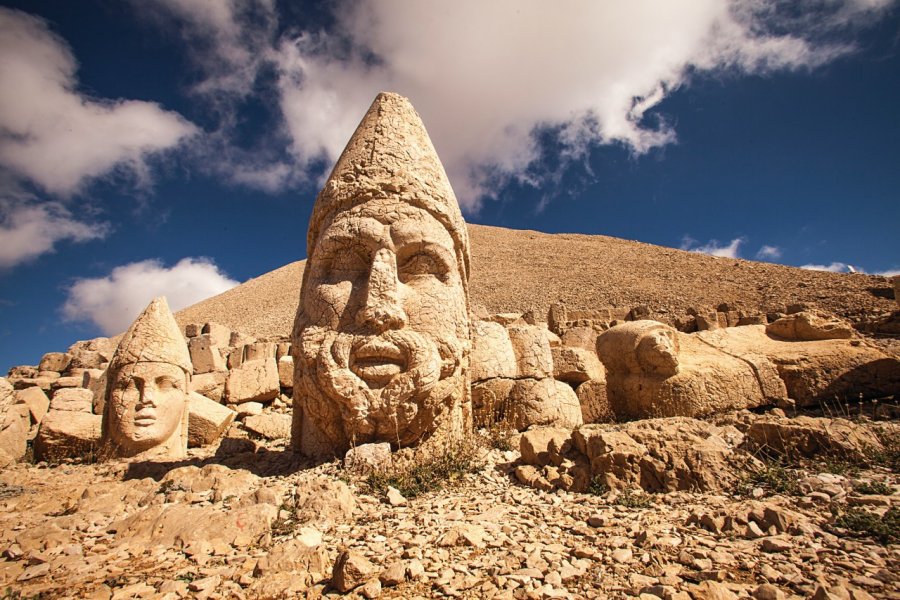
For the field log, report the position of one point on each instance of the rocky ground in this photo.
(515, 271)
(246, 520)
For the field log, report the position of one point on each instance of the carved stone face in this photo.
(383, 327)
(148, 401)
(657, 352)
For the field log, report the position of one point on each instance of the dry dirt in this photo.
(514, 271)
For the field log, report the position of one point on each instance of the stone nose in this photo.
(382, 309)
(148, 395)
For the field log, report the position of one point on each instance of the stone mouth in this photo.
(145, 417)
(377, 361)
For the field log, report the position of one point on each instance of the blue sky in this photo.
(176, 147)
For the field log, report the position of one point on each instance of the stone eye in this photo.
(166, 383)
(422, 264)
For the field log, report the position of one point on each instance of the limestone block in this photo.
(594, 402)
(72, 399)
(576, 365)
(207, 420)
(55, 361)
(531, 346)
(282, 349)
(537, 444)
(36, 400)
(67, 382)
(286, 372)
(543, 402)
(7, 392)
(192, 330)
(809, 326)
(808, 437)
(492, 352)
(581, 337)
(95, 381)
(23, 372)
(351, 570)
(53, 375)
(259, 351)
(66, 434)
(368, 457)
(91, 354)
(211, 385)
(253, 381)
(490, 401)
(15, 421)
(272, 426)
(219, 335)
(246, 409)
(235, 357)
(205, 356)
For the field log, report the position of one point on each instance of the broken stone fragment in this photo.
(36, 400)
(211, 385)
(576, 365)
(253, 381)
(219, 335)
(55, 361)
(351, 570)
(531, 345)
(286, 372)
(809, 326)
(272, 426)
(66, 434)
(205, 356)
(72, 399)
(207, 420)
(15, 422)
(492, 352)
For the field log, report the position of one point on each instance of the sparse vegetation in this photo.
(774, 477)
(875, 488)
(889, 455)
(634, 499)
(597, 487)
(429, 472)
(884, 528)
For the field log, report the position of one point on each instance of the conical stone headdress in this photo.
(153, 337)
(391, 156)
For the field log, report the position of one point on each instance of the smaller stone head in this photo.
(146, 397)
(646, 347)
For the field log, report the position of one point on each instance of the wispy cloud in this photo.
(769, 253)
(714, 247)
(113, 301)
(835, 267)
(472, 68)
(58, 138)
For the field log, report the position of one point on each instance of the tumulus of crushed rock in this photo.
(520, 270)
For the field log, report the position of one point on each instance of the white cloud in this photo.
(57, 137)
(835, 267)
(486, 75)
(112, 302)
(29, 229)
(769, 253)
(714, 247)
(889, 273)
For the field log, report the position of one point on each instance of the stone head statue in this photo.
(381, 336)
(146, 411)
(646, 348)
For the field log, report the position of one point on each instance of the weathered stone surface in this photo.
(388, 227)
(492, 352)
(324, 502)
(304, 554)
(55, 361)
(272, 426)
(351, 570)
(7, 392)
(286, 372)
(146, 406)
(219, 335)
(95, 381)
(652, 370)
(91, 354)
(576, 365)
(531, 345)
(813, 372)
(192, 330)
(206, 357)
(543, 402)
(594, 402)
(538, 444)
(15, 421)
(253, 381)
(807, 437)
(72, 399)
(36, 400)
(810, 326)
(259, 351)
(581, 337)
(211, 385)
(490, 401)
(207, 420)
(368, 457)
(66, 434)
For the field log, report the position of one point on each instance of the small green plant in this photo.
(596, 487)
(888, 456)
(885, 529)
(430, 472)
(876, 488)
(838, 466)
(774, 477)
(187, 576)
(634, 499)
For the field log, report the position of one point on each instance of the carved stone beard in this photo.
(430, 371)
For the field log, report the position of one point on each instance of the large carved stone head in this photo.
(381, 337)
(146, 411)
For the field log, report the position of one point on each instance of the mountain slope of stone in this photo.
(518, 270)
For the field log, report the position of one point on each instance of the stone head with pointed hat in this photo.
(381, 337)
(146, 409)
